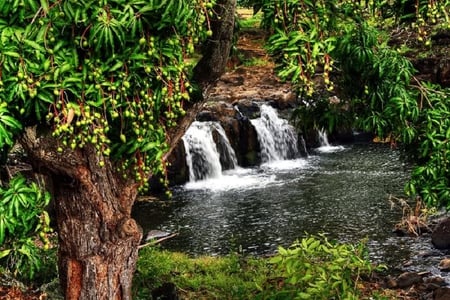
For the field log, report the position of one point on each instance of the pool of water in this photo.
(342, 192)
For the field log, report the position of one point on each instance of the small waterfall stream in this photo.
(336, 190)
(204, 157)
(323, 138)
(209, 153)
(325, 145)
(277, 138)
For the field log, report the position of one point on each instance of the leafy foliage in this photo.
(430, 147)
(343, 42)
(305, 33)
(109, 73)
(23, 222)
(315, 268)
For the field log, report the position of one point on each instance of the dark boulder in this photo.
(248, 109)
(404, 280)
(167, 291)
(441, 234)
(177, 170)
(205, 116)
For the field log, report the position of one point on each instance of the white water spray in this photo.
(323, 138)
(325, 145)
(203, 155)
(277, 138)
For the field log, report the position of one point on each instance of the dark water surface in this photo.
(342, 192)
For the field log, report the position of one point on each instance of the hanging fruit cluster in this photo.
(111, 73)
(429, 14)
(302, 41)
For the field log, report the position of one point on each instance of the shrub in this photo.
(24, 226)
(315, 268)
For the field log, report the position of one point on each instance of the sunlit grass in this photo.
(256, 62)
(205, 277)
(247, 19)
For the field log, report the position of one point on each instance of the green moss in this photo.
(256, 62)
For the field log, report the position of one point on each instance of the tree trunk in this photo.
(215, 54)
(98, 239)
(217, 49)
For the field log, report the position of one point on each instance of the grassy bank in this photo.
(313, 268)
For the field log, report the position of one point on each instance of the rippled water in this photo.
(340, 191)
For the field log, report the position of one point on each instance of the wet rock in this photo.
(205, 116)
(221, 110)
(248, 109)
(244, 140)
(444, 265)
(440, 238)
(404, 280)
(433, 283)
(442, 293)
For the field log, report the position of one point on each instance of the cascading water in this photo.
(323, 138)
(277, 138)
(325, 145)
(205, 157)
(228, 159)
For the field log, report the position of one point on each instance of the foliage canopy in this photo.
(345, 44)
(109, 73)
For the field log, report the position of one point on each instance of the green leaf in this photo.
(34, 45)
(44, 5)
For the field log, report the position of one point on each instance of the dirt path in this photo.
(250, 74)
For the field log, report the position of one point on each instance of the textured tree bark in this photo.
(217, 49)
(98, 239)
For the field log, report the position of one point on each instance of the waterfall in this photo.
(325, 145)
(323, 138)
(277, 138)
(205, 157)
(227, 156)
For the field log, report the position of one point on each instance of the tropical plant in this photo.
(120, 66)
(24, 224)
(316, 268)
(430, 147)
(414, 218)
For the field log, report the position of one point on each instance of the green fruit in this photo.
(123, 138)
